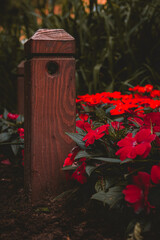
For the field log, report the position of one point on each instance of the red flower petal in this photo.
(142, 179)
(132, 193)
(155, 174)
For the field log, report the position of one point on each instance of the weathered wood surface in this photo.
(50, 41)
(20, 88)
(49, 112)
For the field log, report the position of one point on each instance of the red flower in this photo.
(154, 104)
(69, 160)
(117, 125)
(80, 174)
(83, 125)
(83, 117)
(155, 93)
(21, 132)
(140, 89)
(137, 194)
(138, 145)
(12, 116)
(93, 135)
(155, 174)
(152, 120)
(123, 106)
(71, 156)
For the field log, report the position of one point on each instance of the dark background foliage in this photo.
(118, 43)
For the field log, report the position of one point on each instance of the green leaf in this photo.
(20, 119)
(15, 149)
(7, 122)
(127, 160)
(100, 113)
(78, 139)
(82, 154)
(96, 73)
(5, 114)
(69, 168)
(4, 127)
(157, 133)
(110, 160)
(135, 122)
(81, 131)
(100, 185)
(4, 137)
(111, 197)
(104, 183)
(90, 170)
(110, 108)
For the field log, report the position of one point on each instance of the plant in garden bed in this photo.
(118, 151)
(11, 138)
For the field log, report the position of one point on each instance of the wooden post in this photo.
(50, 109)
(20, 88)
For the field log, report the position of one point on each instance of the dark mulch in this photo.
(63, 219)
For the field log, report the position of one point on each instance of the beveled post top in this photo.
(50, 42)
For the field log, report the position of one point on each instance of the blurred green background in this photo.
(117, 42)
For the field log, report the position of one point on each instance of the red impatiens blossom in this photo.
(83, 116)
(122, 107)
(140, 89)
(91, 100)
(154, 103)
(83, 125)
(1, 116)
(136, 194)
(69, 160)
(71, 156)
(12, 116)
(138, 145)
(80, 174)
(155, 174)
(117, 125)
(98, 98)
(93, 135)
(152, 120)
(21, 132)
(155, 93)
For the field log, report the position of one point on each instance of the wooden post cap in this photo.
(50, 42)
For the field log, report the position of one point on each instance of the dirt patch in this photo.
(63, 219)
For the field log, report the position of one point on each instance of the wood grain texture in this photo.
(50, 41)
(20, 88)
(49, 112)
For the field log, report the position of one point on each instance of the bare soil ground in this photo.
(63, 219)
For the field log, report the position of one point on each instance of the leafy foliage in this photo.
(117, 152)
(11, 138)
(117, 43)
(17, 20)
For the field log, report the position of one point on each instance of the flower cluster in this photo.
(118, 144)
(11, 138)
